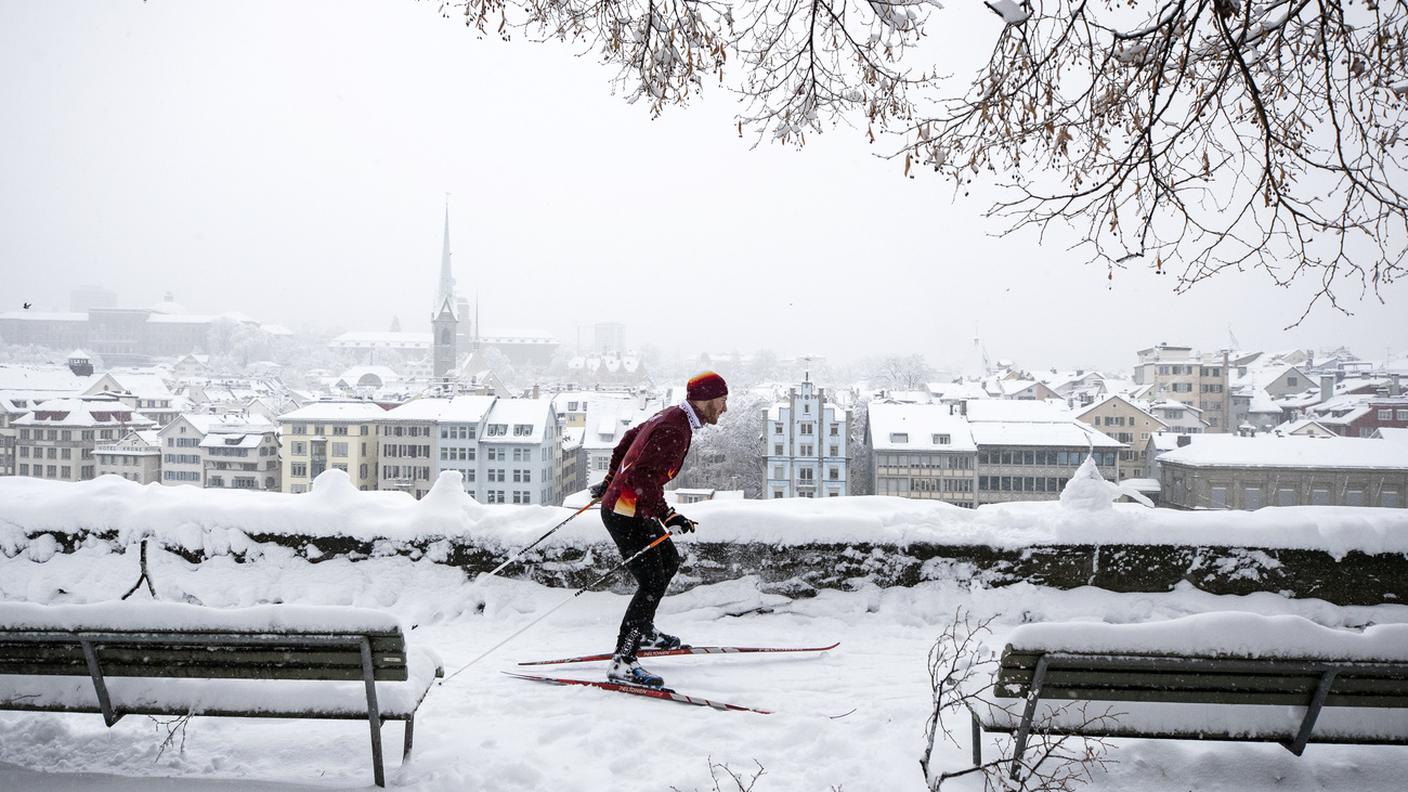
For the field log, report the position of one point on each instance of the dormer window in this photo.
(942, 439)
(899, 437)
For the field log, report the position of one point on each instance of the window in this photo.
(834, 474)
(836, 430)
(805, 474)
(340, 449)
(1218, 497)
(1354, 497)
(339, 431)
(298, 448)
(522, 430)
(496, 430)
(807, 449)
(1390, 499)
(899, 437)
(299, 469)
(942, 439)
(777, 428)
(777, 449)
(1385, 415)
(777, 471)
(835, 451)
(1319, 496)
(808, 428)
(1403, 415)
(777, 493)
(1292, 382)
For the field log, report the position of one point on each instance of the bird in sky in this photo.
(26, 306)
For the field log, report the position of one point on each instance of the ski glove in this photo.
(679, 522)
(599, 489)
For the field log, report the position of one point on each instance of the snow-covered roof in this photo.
(918, 427)
(336, 412)
(76, 412)
(1399, 436)
(1290, 452)
(143, 385)
(384, 339)
(53, 379)
(1030, 433)
(518, 412)
(221, 424)
(1262, 403)
(1111, 397)
(1303, 426)
(983, 410)
(462, 408)
(231, 440)
(45, 316)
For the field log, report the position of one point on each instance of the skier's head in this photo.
(708, 394)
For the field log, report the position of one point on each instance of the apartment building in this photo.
(1129, 424)
(520, 452)
(421, 438)
(59, 437)
(1231, 472)
(922, 451)
(806, 454)
(135, 457)
(1028, 450)
(330, 434)
(232, 451)
(1180, 374)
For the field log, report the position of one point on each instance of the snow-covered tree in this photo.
(729, 456)
(1185, 136)
(910, 372)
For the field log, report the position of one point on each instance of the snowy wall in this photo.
(1341, 554)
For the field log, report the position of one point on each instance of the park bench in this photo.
(1216, 676)
(170, 659)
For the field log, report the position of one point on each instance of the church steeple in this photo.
(446, 291)
(444, 322)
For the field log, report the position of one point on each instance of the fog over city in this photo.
(292, 162)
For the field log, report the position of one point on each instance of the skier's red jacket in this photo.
(648, 456)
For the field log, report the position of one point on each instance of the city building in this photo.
(1181, 374)
(330, 434)
(805, 452)
(1127, 423)
(144, 391)
(231, 451)
(424, 437)
(1231, 472)
(922, 451)
(58, 438)
(520, 452)
(135, 457)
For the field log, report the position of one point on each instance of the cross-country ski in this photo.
(688, 650)
(659, 693)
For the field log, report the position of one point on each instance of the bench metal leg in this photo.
(410, 737)
(1312, 712)
(977, 740)
(1019, 746)
(373, 712)
(99, 684)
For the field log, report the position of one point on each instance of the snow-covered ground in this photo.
(484, 730)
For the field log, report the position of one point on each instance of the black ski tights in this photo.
(652, 572)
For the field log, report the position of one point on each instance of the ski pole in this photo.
(554, 529)
(579, 592)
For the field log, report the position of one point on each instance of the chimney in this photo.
(1394, 389)
(1184, 440)
(1327, 387)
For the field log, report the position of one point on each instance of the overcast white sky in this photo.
(290, 161)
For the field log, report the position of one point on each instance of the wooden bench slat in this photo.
(1143, 680)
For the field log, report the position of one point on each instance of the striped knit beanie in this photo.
(706, 385)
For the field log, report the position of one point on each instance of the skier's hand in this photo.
(599, 489)
(679, 522)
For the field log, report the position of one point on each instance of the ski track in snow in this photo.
(485, 730)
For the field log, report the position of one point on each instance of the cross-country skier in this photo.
(635, 513)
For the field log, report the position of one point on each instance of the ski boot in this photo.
(626, 671)
(658, 640)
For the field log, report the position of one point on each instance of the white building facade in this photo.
(805, 445)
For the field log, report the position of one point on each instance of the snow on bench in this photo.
(283, 661)
(1222, 676)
